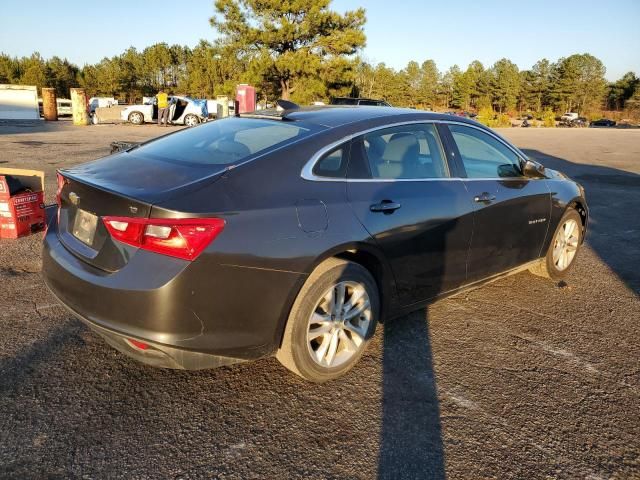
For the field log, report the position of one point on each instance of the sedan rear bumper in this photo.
(165, 303)
(156, 355)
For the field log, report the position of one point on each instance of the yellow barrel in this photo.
(79, 106)
(49, 104)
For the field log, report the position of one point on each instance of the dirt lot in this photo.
(523, 378)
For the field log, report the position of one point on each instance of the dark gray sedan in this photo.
(294, 233)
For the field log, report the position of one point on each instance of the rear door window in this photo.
(225, 142)
(404, 152)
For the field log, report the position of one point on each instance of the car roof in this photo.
(339, 115)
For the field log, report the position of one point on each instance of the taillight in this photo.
(138, 344)
(183, 238)
(61, 183)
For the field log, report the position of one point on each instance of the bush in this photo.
(502, 120)
(549, 118)
(485, 115)
(488, 117)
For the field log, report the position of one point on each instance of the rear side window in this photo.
(484, 156)
(332, 164)
(403, 152)
(224, 142)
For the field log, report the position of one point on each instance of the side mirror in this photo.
(533, 169)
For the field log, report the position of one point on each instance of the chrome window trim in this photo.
(307, 170)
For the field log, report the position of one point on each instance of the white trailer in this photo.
(19, 102)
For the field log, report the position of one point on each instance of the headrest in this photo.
(377, 146)
(400, 147)
(233, 148)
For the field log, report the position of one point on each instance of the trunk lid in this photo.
(122, 185)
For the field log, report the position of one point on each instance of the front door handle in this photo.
(385, 206)
(484, 197)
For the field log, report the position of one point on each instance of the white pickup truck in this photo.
(569, 117)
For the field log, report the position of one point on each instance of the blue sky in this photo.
(449, 32)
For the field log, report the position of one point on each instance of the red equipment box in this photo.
(246, 97)
(21, 214)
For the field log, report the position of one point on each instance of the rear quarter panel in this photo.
(278, 228)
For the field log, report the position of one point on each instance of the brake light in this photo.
(139, 345)
(61, 183)
(183, 238)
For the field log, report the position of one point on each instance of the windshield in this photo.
(225, 142)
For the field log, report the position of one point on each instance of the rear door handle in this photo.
(385, 206)
(484, 197)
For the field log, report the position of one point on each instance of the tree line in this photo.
(307, 52)
(574, 83)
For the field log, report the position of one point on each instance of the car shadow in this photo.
(411, 444)
(614, 222)
(411, 440)
(16, 369)
(27, 127)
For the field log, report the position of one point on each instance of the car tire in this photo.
(563, 248)
(324, 336)
(136, 118)
(191, 120)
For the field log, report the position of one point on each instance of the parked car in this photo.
(569, 117)
(575, 123)
(603, 122)
(295, 233)
(184, 111)
(364, 102)
(63, 105)
(101, 102)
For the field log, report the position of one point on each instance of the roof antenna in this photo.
(285, 105)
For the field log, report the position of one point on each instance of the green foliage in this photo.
(490, 118)
(292, 44)
(34, 70)
(577, 84)
(505, 83)
(621, 91)
(549, 118)
(382, 82)
(633, 103)
(485, 115)
(535, 85)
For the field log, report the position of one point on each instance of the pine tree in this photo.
(290, 41)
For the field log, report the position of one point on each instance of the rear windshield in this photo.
(224, 142)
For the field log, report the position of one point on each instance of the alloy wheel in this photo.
(566, 244)
(339, 324)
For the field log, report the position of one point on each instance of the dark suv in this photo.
(363, 102)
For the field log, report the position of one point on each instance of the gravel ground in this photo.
(523, 378)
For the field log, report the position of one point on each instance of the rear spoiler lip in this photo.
(119, 146)
(166, 196)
